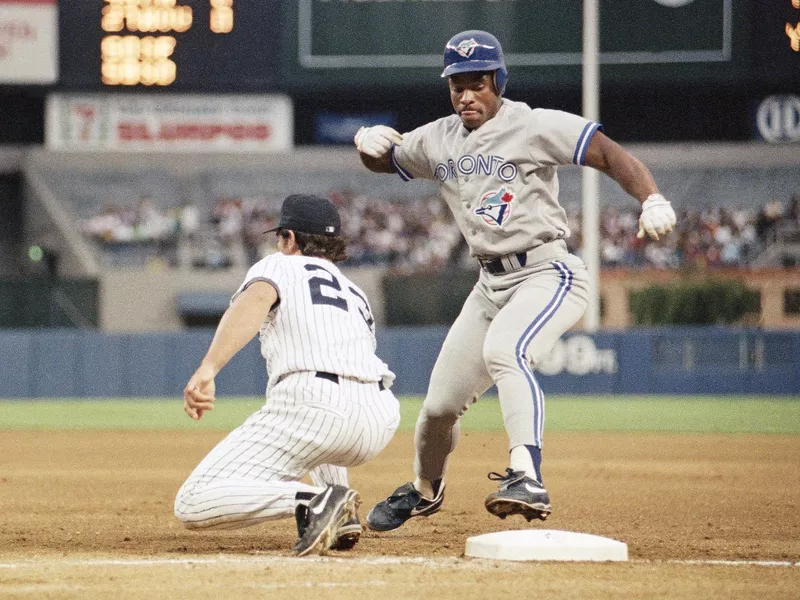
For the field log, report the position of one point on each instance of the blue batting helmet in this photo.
(475, 50)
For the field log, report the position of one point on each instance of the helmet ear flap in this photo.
(500, 78)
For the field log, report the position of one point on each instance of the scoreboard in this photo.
(186, 45)
(300, 46)
(643, 43)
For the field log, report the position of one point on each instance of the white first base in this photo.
(545, 544)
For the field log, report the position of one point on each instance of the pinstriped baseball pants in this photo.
(309, 425)
(506, 325)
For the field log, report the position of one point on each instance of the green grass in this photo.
(678, 414)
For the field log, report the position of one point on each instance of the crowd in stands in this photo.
(417, 235)
(708, 237)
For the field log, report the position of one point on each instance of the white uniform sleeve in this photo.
(559, 138)
(410, 159)
(270, 269)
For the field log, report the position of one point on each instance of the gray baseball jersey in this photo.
(499, 180)
(328, 406)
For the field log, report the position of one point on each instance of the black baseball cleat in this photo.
(327, 513)
(518, 495)
(346, 537)
(404, 503)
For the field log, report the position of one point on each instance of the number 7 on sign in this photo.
(221, 20)
(794, 36)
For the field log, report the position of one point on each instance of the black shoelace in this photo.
(510, 474)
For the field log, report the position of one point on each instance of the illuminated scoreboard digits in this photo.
(140, 38)
(221, 20)
(171, 45)
(131, 60)
(793, 29)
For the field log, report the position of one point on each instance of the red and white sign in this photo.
(169, 122)
(28, 41)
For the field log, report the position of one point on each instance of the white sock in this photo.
(424, 487)
(521, 461)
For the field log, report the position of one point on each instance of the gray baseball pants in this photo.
(508, 322)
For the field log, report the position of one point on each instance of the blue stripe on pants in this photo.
(522, 346)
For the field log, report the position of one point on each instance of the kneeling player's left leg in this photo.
(248, 478)
(327, 474)
(254, 474)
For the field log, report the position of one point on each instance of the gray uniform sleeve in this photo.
(559, 138)
(410, 159)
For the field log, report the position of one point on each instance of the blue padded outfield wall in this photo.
(39, 363)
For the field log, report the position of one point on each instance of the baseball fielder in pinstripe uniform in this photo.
(328, 406)
(495, 164)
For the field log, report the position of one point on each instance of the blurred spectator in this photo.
(793, 212)
(123, 224)
(189, 220)
(769, 216)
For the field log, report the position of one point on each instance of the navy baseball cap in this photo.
(309, 214)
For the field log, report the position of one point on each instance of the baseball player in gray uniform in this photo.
(495, 163)
(328, 406)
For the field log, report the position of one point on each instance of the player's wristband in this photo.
(656, 198)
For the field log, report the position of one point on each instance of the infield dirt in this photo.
(89, 515)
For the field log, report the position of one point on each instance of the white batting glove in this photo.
(376, 141)
(657, 217)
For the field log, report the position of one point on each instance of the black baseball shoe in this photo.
(346, 537)
(404, 503)
(518, 495)
(327, 513)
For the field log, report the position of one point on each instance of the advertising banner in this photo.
(778, 119)
(159, 122)
(28, 41)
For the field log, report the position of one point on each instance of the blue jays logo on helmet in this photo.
(475, 50)
(495, 207)
(466, 47)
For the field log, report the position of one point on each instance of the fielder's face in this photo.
(474, 98)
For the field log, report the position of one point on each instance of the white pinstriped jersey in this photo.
(500, 179)
(321, 322)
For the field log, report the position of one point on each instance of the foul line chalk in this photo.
(440, 563)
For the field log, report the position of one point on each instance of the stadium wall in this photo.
(143, 300)
(86, 363)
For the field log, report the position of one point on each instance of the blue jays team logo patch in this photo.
(466, 47)
(495, 207)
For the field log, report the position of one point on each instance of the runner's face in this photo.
(474, 98)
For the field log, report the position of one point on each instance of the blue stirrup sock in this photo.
(528, 459)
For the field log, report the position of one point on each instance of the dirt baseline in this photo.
(670, 498)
